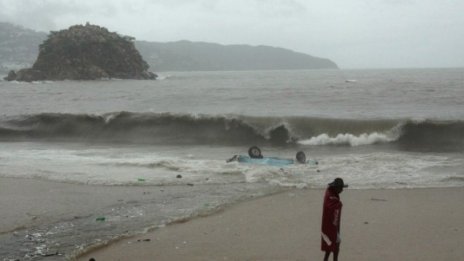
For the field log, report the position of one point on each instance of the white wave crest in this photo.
(348, 139)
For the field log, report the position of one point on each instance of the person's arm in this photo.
(335, 206)
(336, 219)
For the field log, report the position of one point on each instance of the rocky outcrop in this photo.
(85, 52)
(26, 75)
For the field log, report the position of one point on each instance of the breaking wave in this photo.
(167, 128)
(349, 139)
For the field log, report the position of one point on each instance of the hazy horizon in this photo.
(353, 34)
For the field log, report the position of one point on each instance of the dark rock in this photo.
(86, 52)
(29, 75)
(11, 76)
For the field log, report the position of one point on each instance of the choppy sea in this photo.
(384, 129)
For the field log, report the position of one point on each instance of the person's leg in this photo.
(335, 256)
(326, 256)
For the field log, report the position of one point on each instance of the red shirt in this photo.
(331, 214)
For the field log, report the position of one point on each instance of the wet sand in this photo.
(414, 224)
(54, 221)
(31, 202)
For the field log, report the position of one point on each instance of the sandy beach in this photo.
(406, 224)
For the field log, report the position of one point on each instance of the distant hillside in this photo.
(190, 56)
(19, 47)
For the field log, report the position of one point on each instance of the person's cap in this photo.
(338, 182)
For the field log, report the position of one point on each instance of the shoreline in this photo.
(379, 224)
(44, 218)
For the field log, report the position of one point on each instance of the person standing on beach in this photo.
(331, 215)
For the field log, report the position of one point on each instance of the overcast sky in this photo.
(352, 33)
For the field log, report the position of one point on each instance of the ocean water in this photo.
(383, 129)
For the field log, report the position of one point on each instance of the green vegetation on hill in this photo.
(19, 47)
(198, 56)
(85, 52)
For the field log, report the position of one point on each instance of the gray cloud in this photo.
(353, 33)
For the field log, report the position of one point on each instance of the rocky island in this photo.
(85, 52)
